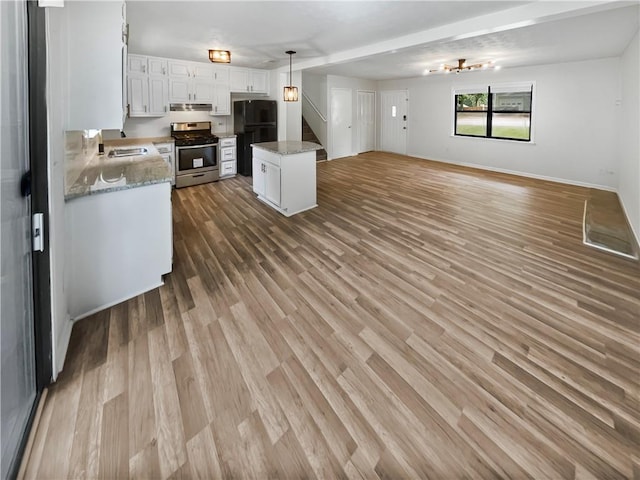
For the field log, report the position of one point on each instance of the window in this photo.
(502, 112)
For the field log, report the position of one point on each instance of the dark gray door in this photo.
(17, 352)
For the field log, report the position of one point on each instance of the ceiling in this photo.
(382, 39)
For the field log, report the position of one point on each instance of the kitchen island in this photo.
(284, 175)
(118, 224)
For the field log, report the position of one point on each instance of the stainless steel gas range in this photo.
(196, 153)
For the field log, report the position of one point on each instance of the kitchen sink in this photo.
(128, 152)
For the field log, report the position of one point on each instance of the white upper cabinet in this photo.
(220, 74)
(259, 81)
(158, 66)
(201, 70)
(148, 96)
(147, 87)
(239, 79)
(157, 82)
(179, 69)
(158, 96)
(221, 104)
(95, 63)
(137, 64)
(185, 90)
(202, 90)
(249, 80)
(138, 91)
(179, 90)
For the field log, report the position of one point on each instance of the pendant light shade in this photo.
(290, 92)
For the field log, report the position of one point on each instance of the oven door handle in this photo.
(197, 146)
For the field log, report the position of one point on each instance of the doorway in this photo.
(341, 122)
(366, 121)
(17, 347)
(25, 346)
(393, 116)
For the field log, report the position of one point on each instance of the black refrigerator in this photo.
(254, 121)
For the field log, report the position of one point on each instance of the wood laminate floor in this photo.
(425, 321)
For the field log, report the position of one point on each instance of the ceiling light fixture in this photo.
(220, 56)
(462, 66)
(290, 92)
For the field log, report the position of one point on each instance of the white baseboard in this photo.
(636, 235)
(519, 173)
(61, 347)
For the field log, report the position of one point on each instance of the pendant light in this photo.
(290, 92)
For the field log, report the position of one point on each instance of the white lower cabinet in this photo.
(120, 245)
(227, 169)
(286, 182)
(266, 180)
(272, 183)
(227, 156)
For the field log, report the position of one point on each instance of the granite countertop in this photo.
(88, 173)
(288, 147)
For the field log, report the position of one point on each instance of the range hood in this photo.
(190, 107)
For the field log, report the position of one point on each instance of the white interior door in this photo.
(341, 122)
(366, 121)
(17, 351)
(393, 118)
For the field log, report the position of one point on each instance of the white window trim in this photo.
(500, 87)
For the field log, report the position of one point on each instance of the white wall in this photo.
(294, 110)
(574, 121)
(289, 113)
(315, 89)
(629, 134)
(353, 84)
(57, 109)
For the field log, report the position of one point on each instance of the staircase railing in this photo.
(316, 120)
(313, 105)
